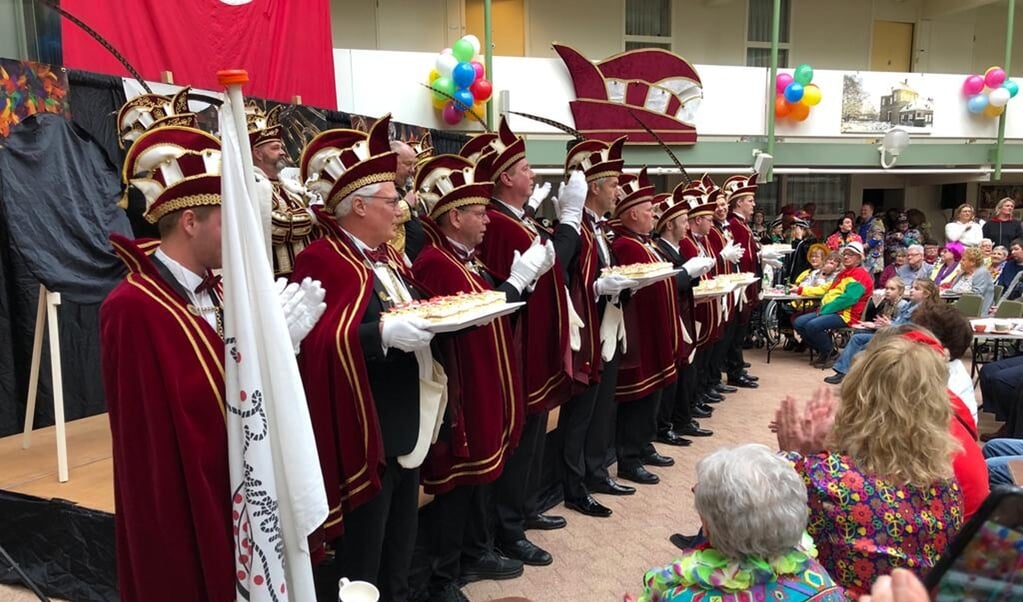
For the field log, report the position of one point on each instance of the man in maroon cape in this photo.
(541, 337)
(363, 373)
(653, 336)
(485, 405)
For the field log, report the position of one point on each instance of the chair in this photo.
(1009, 309)
(999, 289)
(968, 305)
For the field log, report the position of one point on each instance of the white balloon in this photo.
(474, 41)
(445, 64)
(447, 51)
(999, 97)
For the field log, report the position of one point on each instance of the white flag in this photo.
(277, 491)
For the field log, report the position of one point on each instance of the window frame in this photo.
(786, 46)
(668, 40)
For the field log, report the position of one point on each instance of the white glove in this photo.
(571, 198)
(612, 330)
(772, 261)
(698, 266)
(407, 333)
(539, 194)
(769, 254)
(732, 252)
(302, 305)
(575, 325)
(613, 285)
(527, 267)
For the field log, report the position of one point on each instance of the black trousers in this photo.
(677, 400)
(735, 363)
(704, 374)
(515, 488)
(445, 526)
(379, 537)
(637, 427)
(574, 424)
(600, 437)
(721, 349)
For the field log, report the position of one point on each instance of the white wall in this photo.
(596, 27)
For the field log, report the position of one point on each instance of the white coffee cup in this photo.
(357, 591)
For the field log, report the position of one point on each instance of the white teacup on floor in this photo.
(357, 591)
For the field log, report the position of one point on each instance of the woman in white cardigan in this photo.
(963, 228)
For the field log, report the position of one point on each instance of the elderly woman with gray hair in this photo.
(753, 507)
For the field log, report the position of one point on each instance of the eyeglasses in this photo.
(391, 200)
(479, 212)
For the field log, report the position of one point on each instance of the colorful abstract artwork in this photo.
(27, 88)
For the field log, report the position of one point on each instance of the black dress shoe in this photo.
(701, 411)
(670, 437)
(656, 459)
(707, 400)
(543, 522)
(750, 376)
(835, 378)
(746, 364)
(490, 566)
(610, 486)
(589, 507)
(639, 475)
(450, 593)
(743, 382)
(723, 388)
(693, 430)
(713, 395)
(526, 551)
(684, 542)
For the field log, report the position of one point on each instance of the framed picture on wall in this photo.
(989, 195)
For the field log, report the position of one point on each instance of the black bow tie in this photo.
(209, 283)
(377, 255)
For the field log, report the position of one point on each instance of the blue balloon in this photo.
(463, 99)
(463, 74)
(1012, 87)
(977, 103)
(794, 92)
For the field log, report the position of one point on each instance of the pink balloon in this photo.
(480, 71)
(782, 81)
(973, 85)
(451, 114)
(994, 77)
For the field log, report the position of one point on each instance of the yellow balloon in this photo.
(993, 111)
(480, 108)
(433, 75)
(438, 103)
(811, 95)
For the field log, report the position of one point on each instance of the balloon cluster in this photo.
(795, 94)
(458, 81)
(989, 93)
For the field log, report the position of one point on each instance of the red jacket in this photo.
(969, 466)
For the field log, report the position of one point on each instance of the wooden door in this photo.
(891, 48)
(508, 18)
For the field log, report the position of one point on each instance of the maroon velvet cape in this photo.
(742, 235)
(485, 405)
(163, 374)
(541, 326)
(333, 368)
(652, 327)
(707, 313)
(586, 362)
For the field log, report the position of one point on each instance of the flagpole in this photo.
(233, 80)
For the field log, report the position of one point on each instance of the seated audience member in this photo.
(946, 271)
(953, 331)
(900, 235)
(932, 251)
(812, 282)
(998, 256)
(841, 306)
(987, 248)
(873, 247)
(1000, 386)
(1011, 268)
(889, 270)
(974, 279)
(915, 266)
(754, 512)
(844, 234)
(878, 464)
(963, 228)
(999, 453)
(891, 311)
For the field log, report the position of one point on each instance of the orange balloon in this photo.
(993, 111)
(781, 107)
(799, 111)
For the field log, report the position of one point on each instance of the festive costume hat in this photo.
(596, 159)
(336, 163)
(148, 111)
(448, 182)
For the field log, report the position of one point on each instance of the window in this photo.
(647, 24)
(760, 15)
(829, 191)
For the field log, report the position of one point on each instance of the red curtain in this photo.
(285, 45)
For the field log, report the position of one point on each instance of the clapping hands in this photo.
(805, 431)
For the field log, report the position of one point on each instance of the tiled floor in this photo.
(601, 559)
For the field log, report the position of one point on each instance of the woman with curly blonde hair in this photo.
(878, 465)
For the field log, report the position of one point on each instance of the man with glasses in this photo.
(409, 237)
(915, 266)
(841, 306)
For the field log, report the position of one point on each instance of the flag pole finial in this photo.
(232, 77)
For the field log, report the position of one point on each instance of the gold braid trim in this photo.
(442, 208)
(377, 178)
(193, 200)
(503, 167)
(611, 173)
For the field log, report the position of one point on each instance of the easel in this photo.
(46, 314)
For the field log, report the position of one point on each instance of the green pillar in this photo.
(775, 33)
(1009, 26)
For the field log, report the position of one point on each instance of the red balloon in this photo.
(451, 114)
(481, 90)
(480, 71)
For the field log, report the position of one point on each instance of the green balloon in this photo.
(463, 51)
(445, 85)
(803, 74)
